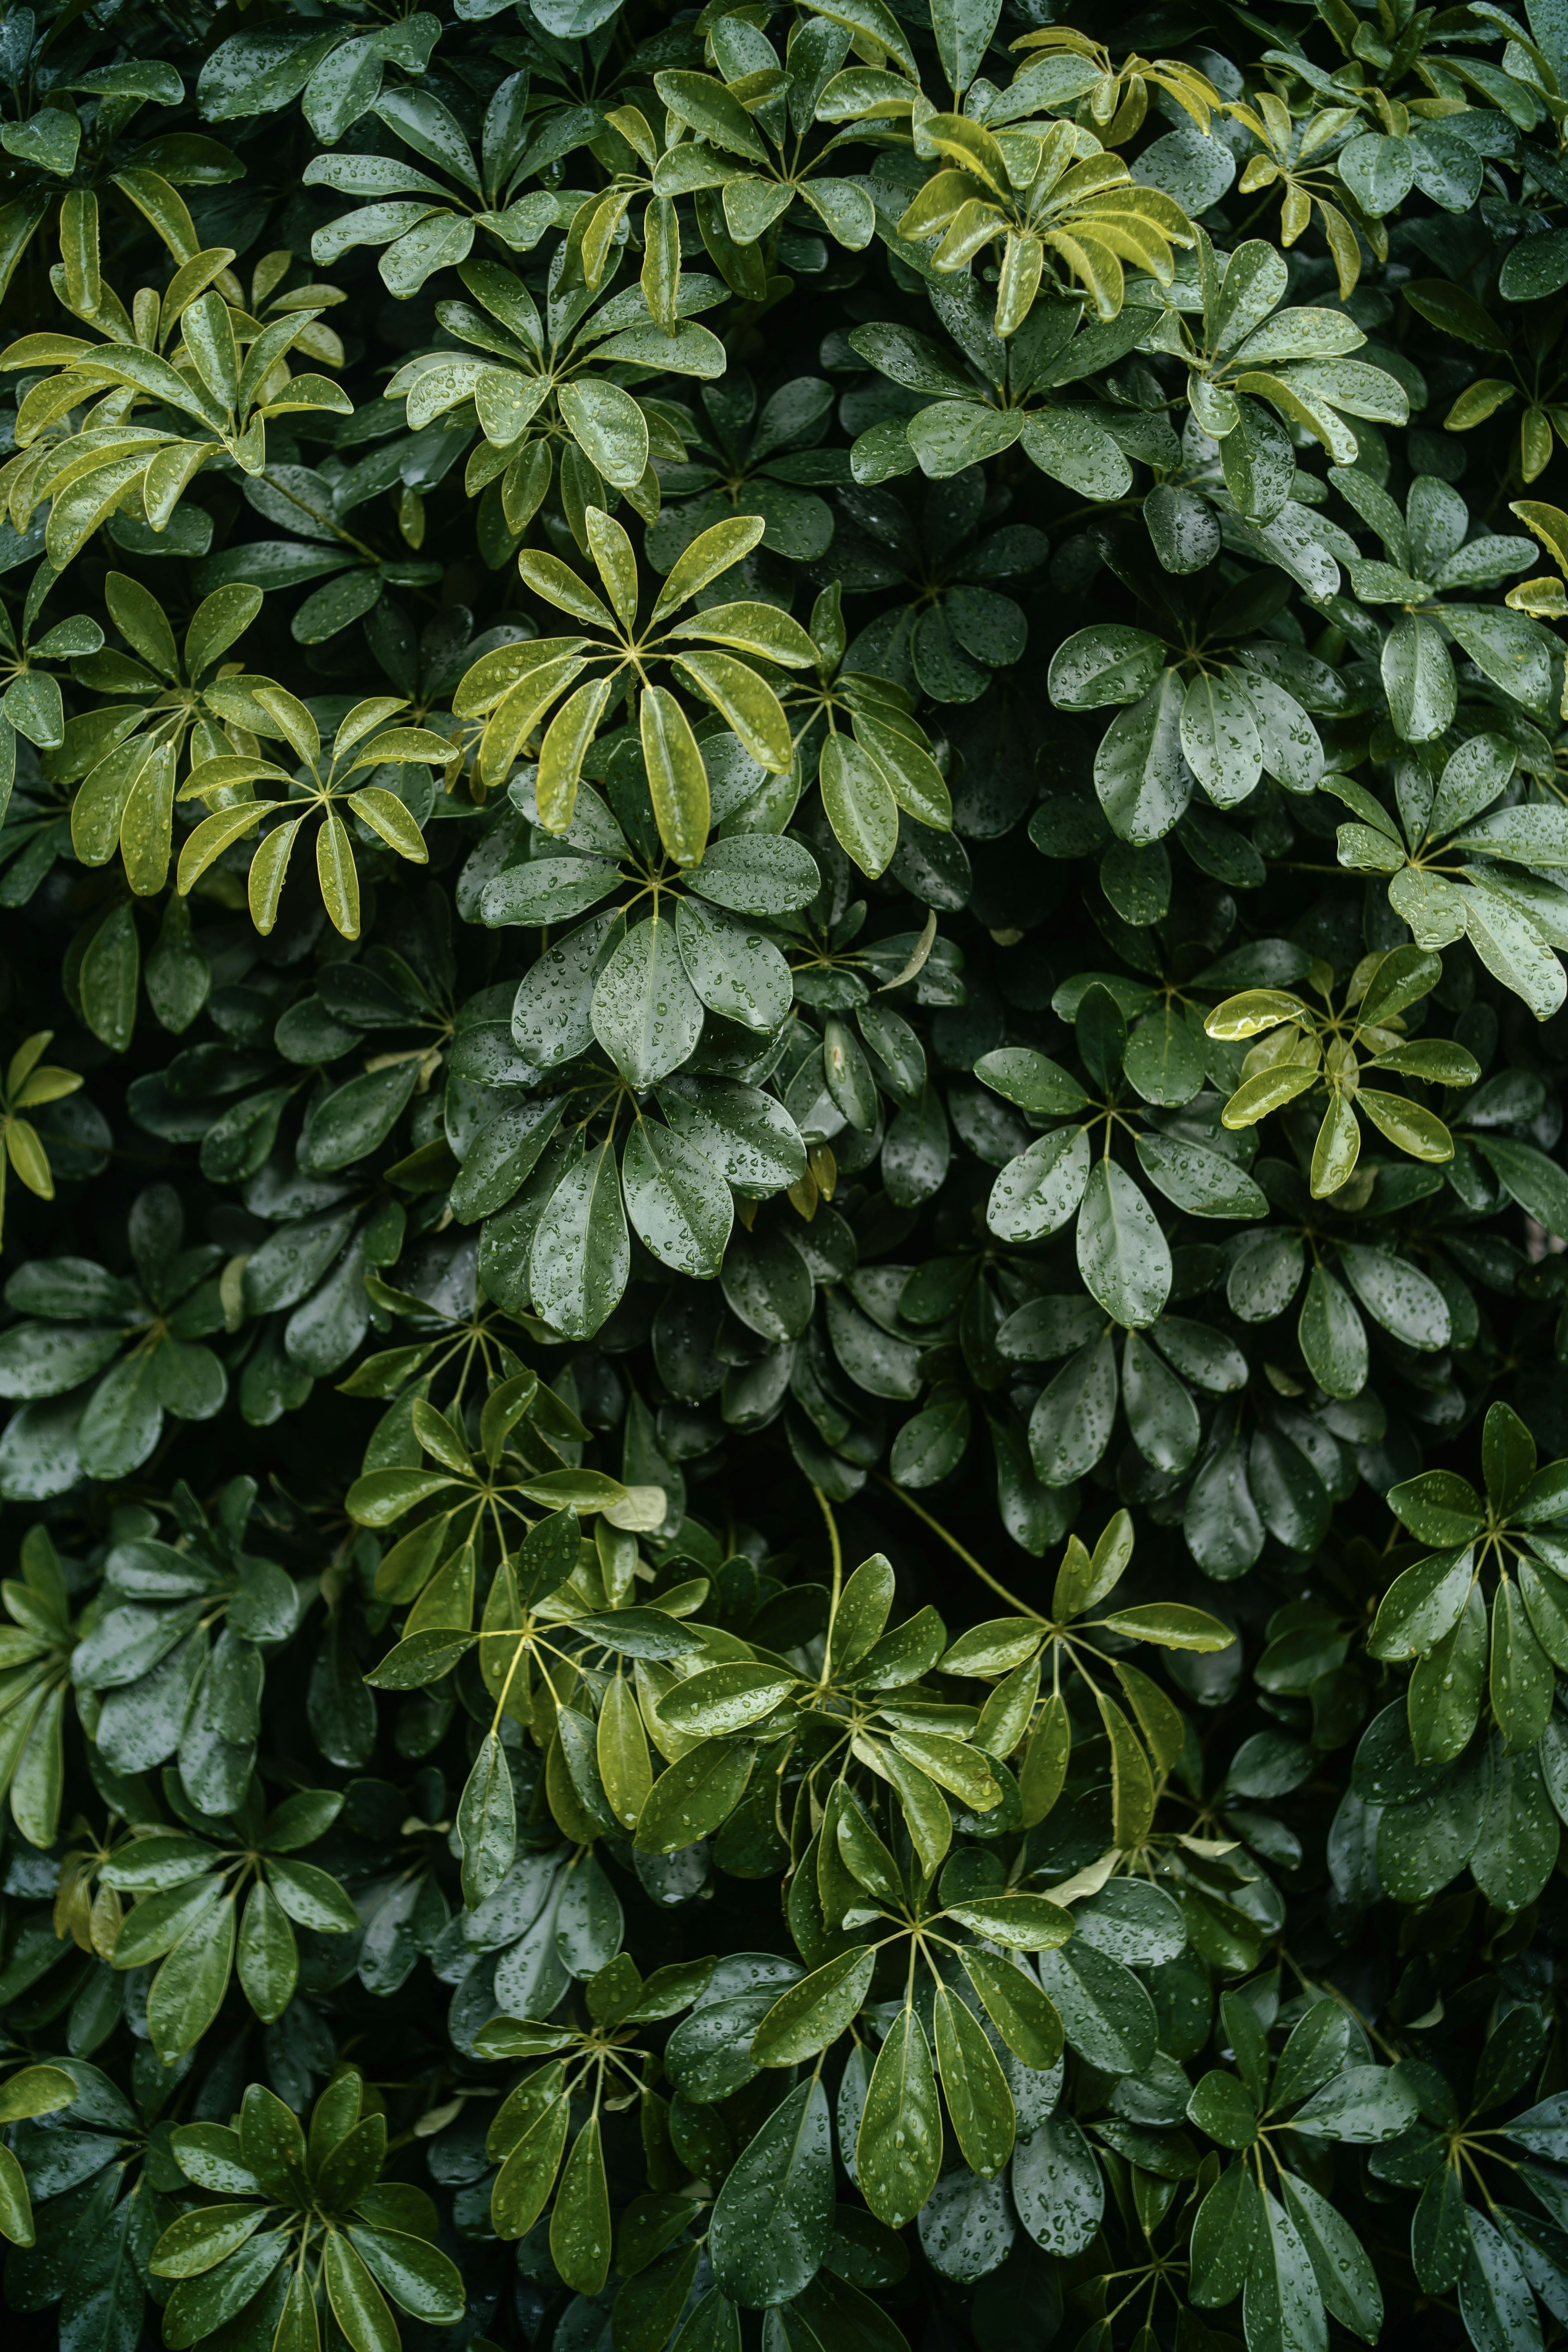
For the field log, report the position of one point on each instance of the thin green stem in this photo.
(954, 1546)
(837, 1549)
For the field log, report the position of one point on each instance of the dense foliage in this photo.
(785, 856)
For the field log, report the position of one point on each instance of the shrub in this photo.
(784, 844)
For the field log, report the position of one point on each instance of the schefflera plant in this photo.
(514, 688)
(190, 1920)
(1264, 2230)
(30, 1083)
(82, 452)
(1460, 867)
(31, 2091)
(1470, 1652)
(126, 754)
(306, 2238)
(1039, 189)
(175, 1645)
(534, 1104)
(35, 1651)
(327, 789)
(598, 2059)
(1301, 1048)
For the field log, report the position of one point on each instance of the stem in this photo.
(1094, 507)
(837, 1550)
(954, 1546)
(1390, 2049)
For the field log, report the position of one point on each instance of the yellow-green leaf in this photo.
(677, 778)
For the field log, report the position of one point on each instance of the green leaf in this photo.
(579, 1257)
(1495, 2301)
(741, 975)
(1517, 1847)
(357, 2303)
(994, 1647)
(1070, 1425)
(1282, 2304)
(952, 1765)
(897, 2150)
(1346, 2280)
(1317, 2049)
(1220, 740)
(1020, 1922)
(580, 2228)
(1164, 1060)
(350, 2168)
(1222, 2106)
(267, 1957)
(1398, 1295)
(927, 1815)
(1016, 2007)
(1421, 1846)
(677, 778)
(811, 2015)
(1140, 773)
(1204, 1182)
(1058, 2187)
(978, 2100)
(270, 2140)
(199, 2306)
(1423, 1605)
(621, 1752)
(424, 1658)
(1086, 1577)
(1106, 2014)
(36, 2091)
(1363, 2105)
(188, 1991)
(722, 1699)
(708, 108)
(502, 1154)
(1333, 1337)
(486, 1822)
(209, 2154)
(1448, 1686)
(772, 2218)
(1043, 1773)
(1122, 1255)
(1038, 1192)
(714, 2326)
(1228, 2223)
(417, 2276)
(1547, 1603)
(1103, 665)
(641, 1632)
(651, 2301)
(680, 1208)
(1031, 1080)
(1161, 1413)
(1539, 1186)
(696, 1793)
(198, 2242)
(646, 1014)
(861, 1613)
(609, 428)
(749, 1137)
(1520, 1679)
(1173, 1625)
(355, 1119)
(524, 2183)
(1440, 2232)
